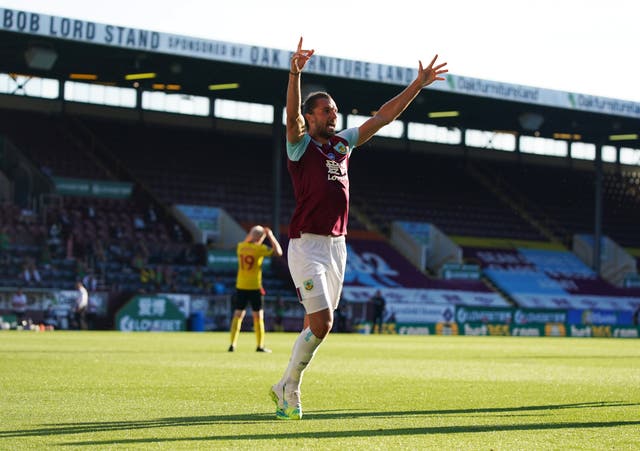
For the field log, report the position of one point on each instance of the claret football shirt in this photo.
(321, 184)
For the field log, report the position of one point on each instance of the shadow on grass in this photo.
(94, 427)
(563, 357)
(368, 433)
(321, 415)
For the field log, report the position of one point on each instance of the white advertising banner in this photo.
(425, 296)
(152, 41)
(421, 313)
(575, 301)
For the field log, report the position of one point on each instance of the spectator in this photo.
(80, 306)
(147, 275)
(379, 305)
(198, 280)
(19, 305)
(138, 223)
(30, 273)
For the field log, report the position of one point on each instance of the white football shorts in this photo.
(317, 265)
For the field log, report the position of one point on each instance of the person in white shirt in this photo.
(19, 305)
(80, 307)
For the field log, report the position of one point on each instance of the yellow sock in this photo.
(236, 324)
(260, 333)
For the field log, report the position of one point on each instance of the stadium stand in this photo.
(537, 188)
(540, 278)
(400, 185)
(203, 167)
(48, 143)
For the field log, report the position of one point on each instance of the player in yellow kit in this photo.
(251, 253)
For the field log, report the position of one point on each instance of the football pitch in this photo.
(112, 390)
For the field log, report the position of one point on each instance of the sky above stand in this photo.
(583, 46)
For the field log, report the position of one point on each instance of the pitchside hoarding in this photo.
(512, 330)
(150, 313)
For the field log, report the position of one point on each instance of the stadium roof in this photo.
(55, 47)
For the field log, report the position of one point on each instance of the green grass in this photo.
(111, 390)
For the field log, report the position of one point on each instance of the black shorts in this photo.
(246, 297)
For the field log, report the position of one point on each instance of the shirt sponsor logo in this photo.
(335, 170)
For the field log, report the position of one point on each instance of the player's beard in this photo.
(327, 133)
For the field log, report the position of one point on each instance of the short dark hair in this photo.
(310, 102)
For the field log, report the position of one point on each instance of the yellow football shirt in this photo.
(250, 258)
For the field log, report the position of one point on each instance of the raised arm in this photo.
(277, 249)
(295, 120)
(394, 107)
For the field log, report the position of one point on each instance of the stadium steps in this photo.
(363, 218)
(517, 205)
(107, 159)
(496, 289)
(98, 150)
(558, 230)
(65, 129)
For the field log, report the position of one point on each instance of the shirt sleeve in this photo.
(351, 135)
(295, 151)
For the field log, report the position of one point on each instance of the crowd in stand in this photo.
(65, 252)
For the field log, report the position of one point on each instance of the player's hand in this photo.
(299, 58)
(431, 73)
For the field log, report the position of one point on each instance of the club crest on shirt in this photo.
(308, 284)
(341, 148)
